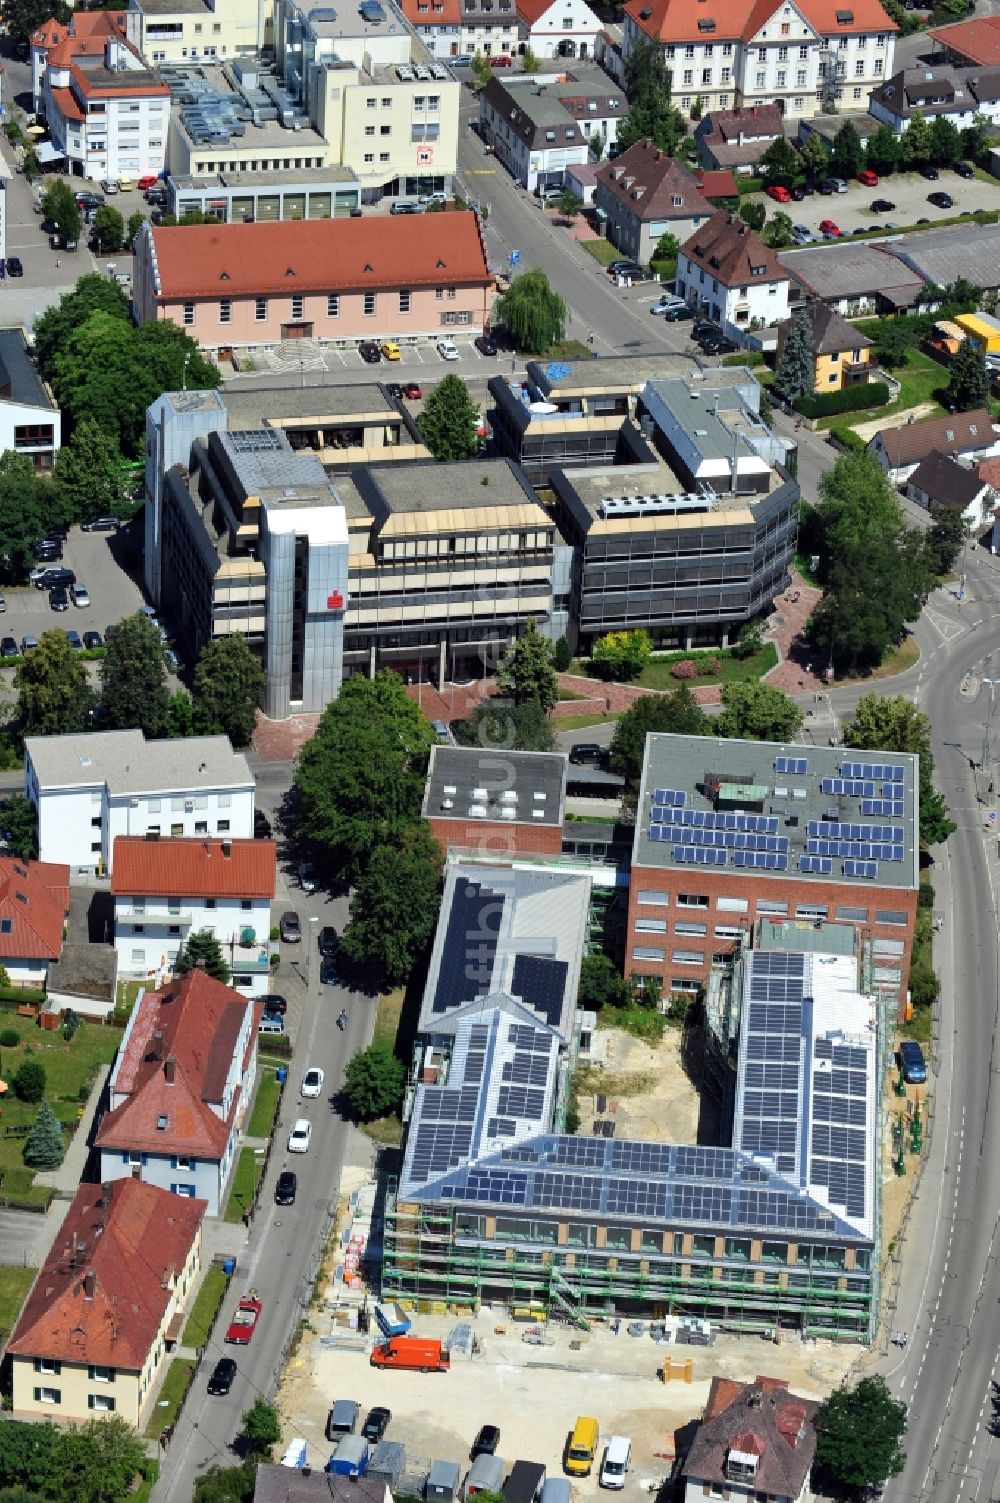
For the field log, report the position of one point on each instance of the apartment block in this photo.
(727, 272)
(30, 421)
(185, 31)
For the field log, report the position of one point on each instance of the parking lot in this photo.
(852, 211)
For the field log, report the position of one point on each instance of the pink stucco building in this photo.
(234, 286)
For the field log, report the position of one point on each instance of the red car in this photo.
(827, 227)
(412, 391)
(780, 194)
(501, 61)
(869, 178)
(244, 1321)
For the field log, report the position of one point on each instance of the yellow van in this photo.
(582, 1447)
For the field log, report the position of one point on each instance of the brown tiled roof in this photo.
(648, 181)
(193, 868)
(728, 250)
(759, 1419)
(977, 41)
(945, 482)
(958, 432)
(173, 1064)
(319, 255)
(86, 32)
(831, 335)
(34, 901)
(716, 183)
(102, 1292)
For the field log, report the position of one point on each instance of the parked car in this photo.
(92, 639)
(826, 186)
(307, 876)
(376, 1424)
(779, 193)
(484, 345)
(501, 61)
(100, 524)
(59, 599)
(395, 391)
(941, 200)
(390, 350)
(48, 577)
(284, 1190)
(802, 234)
(80, 595)
(290, 929)
(244, 1321)
(800, 191)
(678, 315)
(411, 391)
(328, 941)
(223, 1376)
(447, 349)
(270, 1023)
(328, 971)
(486, 1442)
(665, 304)
(829, 228)
(27, 643)
(109, 185)
(369, 352)
(300, 1136)
(441, 731)
(75, 640)
(839, 184)
(14, 267)
(911, 1058)
(276, 1003)
(882, 206)
(868, 178)
(8, 648)
(964, 170)
(930, 173)
(312, 1084)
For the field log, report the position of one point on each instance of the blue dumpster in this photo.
(282, 1074)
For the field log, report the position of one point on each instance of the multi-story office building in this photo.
(730, 832)
(232, 197)
(496, 801)
(184, 31)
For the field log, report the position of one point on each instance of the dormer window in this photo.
(706, 24)
(741, 1465)
(757, 271)
(162, 1122)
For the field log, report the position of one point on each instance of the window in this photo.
(186, 1192)
(646, 952)
(727, 931)
(858, 93)
(771, 906)
(688, 957)
(878, 67)
(222, 827)
(651, 926)
(799, 101)
(48, 1366)
(800, 77)
(369, 156)
(383, 156)
(102, 1375)
(706, 75)
(738, 1248)
(882, 915)
(688, 76)
(803, 54)
(762, 54)
(727, 49)
(180, 1163)
(689, 51)
(371, 102)
(691, 900)
(225, 310)
(386, 102)
(246, 904)
(774, 1252)
(653, 896)
(859, 68)
(695, 930)
(781, 78)
(369, 130)
(298, 305)
(404, 300)
(783, 51)
(188, 314)
(209, 902)
(811, 910)
(48, 1395)
(727, 75)
(385, 130)
(670, 50)
(761, 79)
(333, 305)
(369, 304)
(260, 309)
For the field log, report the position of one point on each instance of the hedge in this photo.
(746, 357)
(849, 399)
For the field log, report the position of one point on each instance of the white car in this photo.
(300, 1135)
(312, 1083)
(79, 594)
(447, 349)
(665, 304)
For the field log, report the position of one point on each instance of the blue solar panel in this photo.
(890, 770)
(791, 764)
(675, 797)
(890, 806)
(820, 864)
(867, 869)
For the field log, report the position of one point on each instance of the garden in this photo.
(627, 657)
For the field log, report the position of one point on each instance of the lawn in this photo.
(602, 251)
(567, 349)
(920, 378)
(175, 1386)
(387, 1015)
(14, 1286)
(581, 722)
(210, 1297)
(244, 1186)
(68, 1067)
(125, 996)
(265, 1105)
(657, 675)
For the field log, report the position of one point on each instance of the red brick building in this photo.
(730, 832)
(496, 803)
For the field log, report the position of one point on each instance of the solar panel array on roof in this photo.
(821, 865)
(709, 819)
(769, 1124)
(470, 946)
(848, 787)
(866, 869)
(892, 772)
(540, 982)
(791, 764)
(675, 798)
(839, 1151)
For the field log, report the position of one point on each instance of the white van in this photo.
(617, 1462)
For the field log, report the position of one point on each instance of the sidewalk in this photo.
(65, 1180)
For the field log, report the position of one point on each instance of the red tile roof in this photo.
(432, 12)
(101, 1295)
(85, 27)
(34, 901)
(729, 251)
(864, 15)
(174, 1063)
(716, 183)
(65, 103)
(649, 184)
(530, 11)
(758, 1419)
(976, 41)
(678, 20)
(193, 868)
(319, 255)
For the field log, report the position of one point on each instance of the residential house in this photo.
(973, 435)
(461, 28)
(644, 194)
(949, 93)
(91, 787)
(237, 286)
(34, 904)
(107, 1304)
(729, 274)
(166, 890)
(755, 1443)
(805, 58)
(738, 138)
(853, 277)
(30, 421)
(87, 31)
(180, 1087)
(841, 353)
(559, 28)
(976, 41)
(532, 133)
(941, 482)
(593, 99)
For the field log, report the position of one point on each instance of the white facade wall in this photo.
(15, 415)
(735, 308)
(125, 138)
(568, 28)
(24, 971)
(190, 1176)
(150, 931)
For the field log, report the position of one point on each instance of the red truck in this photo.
(413, 1353)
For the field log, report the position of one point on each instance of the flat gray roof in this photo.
(430, 487)
(853, 268)
(961, 250)
(26, 384)
(129, 764)
(249, 407)
(531, 784)
(86, 970)
(630, 372)
(296, 177)
(762, 809)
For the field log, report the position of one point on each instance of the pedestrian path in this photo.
(65, 1180)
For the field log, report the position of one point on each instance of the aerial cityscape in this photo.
(499, 849)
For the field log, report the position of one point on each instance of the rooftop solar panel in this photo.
(470, 946)
(541, 983)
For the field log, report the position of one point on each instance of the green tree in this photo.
(601, 983)
(529, 62)
(498, 724)
(916, 141)
(778, 234)
(944, 539)
(893, 724)
(92, 294)
(652, 115)
(666, 249)
(873, 589)
(29, 1457)
(373, 1082)
(135, 224)
(134, 677)
(22, 17)
(88, 472)
(977, 139)
(946, 142)
(857, 506)
(969, 382)
(621, 655)
(848, 155)
(53, 694)
(260, 1429)
(202, 949)
(450, 420)
(753, 213)
(882, 151)
(29, 1082)
(19, 826)
(677, 713)
(795, 373)
(226, 1484)
(562, 656)
(525, 671)
(360, 780)
(892, 343)
(23, 516)
(780, 163)
(757, 712)
(60, 205)
(814, 158)
(858, 1434)
(180, 715)
(533, 314)
(43, 1147)
(395, 905)
(228, 684)
(570, 203)
(481, 71)
(109, 230)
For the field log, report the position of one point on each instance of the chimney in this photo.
(105, 1199)
(158, 1044)
(89, 1284)
(227, 849)
(168, 1069)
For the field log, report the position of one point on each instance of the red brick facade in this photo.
(497, 837)
(692, 916)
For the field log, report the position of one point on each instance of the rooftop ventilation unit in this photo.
(667, 504)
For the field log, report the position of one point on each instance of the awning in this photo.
(45, 151)
(248, 936)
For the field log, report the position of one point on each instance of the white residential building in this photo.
(729, 274)
(166, 890)
(89, 788)
(30, 421)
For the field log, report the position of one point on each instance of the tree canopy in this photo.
(22, 17)
(857, 506)
(533, 314)
(621, 655)
(53, 693)
(28, 504)
(882, 150)
(526, 671)
(59, 204)
(892, 723)
(228, 684)
(89, 473)
(796, 370)
(757, 712)
(449, 423)
(848, 155)
(134, 677)
(814, 157)
(858, 1434)
(969, 381)
(652, 115)
(873, 590)
(43, 1147)
(779, 163)
(499, 724)
(395, 906)
(19, 825)
(201, 948)
(374, 1081)
(677, 712)
(260, 1428)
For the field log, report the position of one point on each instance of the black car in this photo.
(882, 206)
(369, 352)
(59, 599)
(290, 929)
(223, 1374)
(799, 192)
(284, 1190)
(50, 578)
(328, 971)
(92, 639)
(964, 170)
(261, 826)
(46, 549)
(376, 1424)
(826, 187)
(395, 391)
(8, 648)
(941, 200)
(486, 1442)
(328, 940)
(485, 345)
(678, 315)
(100, 524)
(719, 346)
(14, 267)
(930, 173)
(276, 1003)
